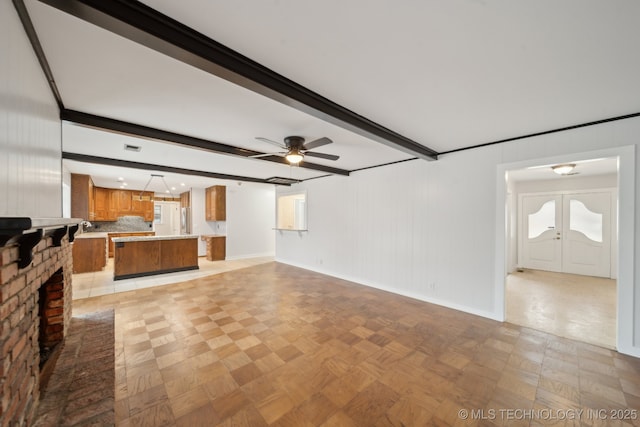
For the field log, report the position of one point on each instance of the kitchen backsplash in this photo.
(124, 223)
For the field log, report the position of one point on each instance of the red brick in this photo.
(8, 307)
(8, 272)
(22, 342)
(53, 313)
(9, 255)
(11, 340)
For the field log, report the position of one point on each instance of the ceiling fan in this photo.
(296, 148)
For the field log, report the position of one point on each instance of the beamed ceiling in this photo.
(193, 83)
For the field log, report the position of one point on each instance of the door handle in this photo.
(556, 238)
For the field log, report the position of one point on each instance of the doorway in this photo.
(563, 251)
(166, 220)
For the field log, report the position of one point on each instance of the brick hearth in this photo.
(21, 325)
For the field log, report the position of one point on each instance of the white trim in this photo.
(626, 237)
(447, 304)
(262, 255)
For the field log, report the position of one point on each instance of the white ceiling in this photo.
(447, 74)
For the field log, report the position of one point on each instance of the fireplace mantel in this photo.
(27, 232)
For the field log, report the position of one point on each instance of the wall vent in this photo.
(130, 147)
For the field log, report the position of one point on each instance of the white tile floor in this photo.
(87, 285)
(582, 308)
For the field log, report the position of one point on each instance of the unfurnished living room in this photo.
(295, 213)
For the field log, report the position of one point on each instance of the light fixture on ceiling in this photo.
(148, 182)
(294, 156)
(563, 169)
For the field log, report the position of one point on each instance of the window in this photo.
(157, 214)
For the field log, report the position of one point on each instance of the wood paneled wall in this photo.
(30, 128)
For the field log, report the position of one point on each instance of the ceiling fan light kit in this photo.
(296, 149)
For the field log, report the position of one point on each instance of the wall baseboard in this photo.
(419, 297)
(262, 255)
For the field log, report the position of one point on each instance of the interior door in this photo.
(587, 234)
(540, 232)
(568, 233)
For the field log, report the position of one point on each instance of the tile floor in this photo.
(276, 345)
(86, 285)
(571, 306)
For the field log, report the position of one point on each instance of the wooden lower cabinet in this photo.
(89, 254)
(126, 234)
(144, 257)
(216, 247)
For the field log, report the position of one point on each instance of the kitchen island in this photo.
(138, 256)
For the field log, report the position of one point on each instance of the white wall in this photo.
(250, 220)
(430, 229)
(30, 138)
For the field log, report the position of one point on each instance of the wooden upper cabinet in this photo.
(216, 203)
(142, 204)
(82, 203)
(124, 202)
(101, 203)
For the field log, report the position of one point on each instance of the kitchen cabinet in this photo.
(143, 256)
(216, 247)
(109, 204)
(101, 203)
(89, 252)
(142, 204)
(110, 236)
(124, 202)
(82, 202)
(216, 203)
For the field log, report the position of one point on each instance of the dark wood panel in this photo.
(136, 257)
(126, 234)
(89, 254)
(146, 257)
(178, 253)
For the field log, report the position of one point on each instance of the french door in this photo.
(566, 232)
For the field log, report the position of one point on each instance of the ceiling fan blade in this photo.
(321, 155)
(316, 143)
(278, 144)
(257, 156)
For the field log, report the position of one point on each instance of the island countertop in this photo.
(150, 238)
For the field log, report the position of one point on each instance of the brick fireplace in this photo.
(35, 310)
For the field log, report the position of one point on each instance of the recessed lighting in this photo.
(167, 191)
(120, 179)
(125, 184)
(122, 186)
(182, 184)
(173, 188)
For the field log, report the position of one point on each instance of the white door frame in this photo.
(625, 242)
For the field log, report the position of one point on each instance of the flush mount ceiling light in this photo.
(564, 169)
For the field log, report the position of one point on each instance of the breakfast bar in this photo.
(138, 256)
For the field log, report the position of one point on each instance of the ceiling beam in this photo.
(132, 129)
(85, 158)
(144, 25)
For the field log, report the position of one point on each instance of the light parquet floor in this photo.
(583, 308)
(281, 346)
